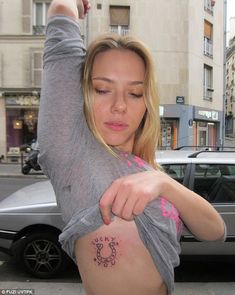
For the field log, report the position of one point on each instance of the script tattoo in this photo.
(106, 251)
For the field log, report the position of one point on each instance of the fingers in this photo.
(128, 196)
(106, 202)
(83, 7)
(126, 211)
(134, 205)
(122, 200)
(119, 204)
(87, 6)
(140, 206)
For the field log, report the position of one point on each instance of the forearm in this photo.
(198, 215)
(64, 7)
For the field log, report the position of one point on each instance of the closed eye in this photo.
(136, 95)
(101, 91)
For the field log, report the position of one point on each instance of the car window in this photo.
(215, 182)
(176, 171)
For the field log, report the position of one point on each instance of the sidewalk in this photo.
(39, 288)
(46, 288)
(14, 170)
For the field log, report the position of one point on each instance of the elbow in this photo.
(222, 232)
(61, 8)
(213, 230)
(218, 232)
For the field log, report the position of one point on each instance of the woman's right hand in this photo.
(83, 7)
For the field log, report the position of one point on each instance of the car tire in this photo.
(41, 254)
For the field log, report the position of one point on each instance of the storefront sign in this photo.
(22, 101)
(212, 115)
(161, 111)
(180, 99)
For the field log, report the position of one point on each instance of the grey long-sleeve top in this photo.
(79, 167)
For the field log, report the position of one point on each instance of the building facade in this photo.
(185, 37)
(230, 90)
(21, 45)
(231, 32)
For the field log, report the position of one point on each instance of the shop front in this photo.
(169, 133)
(21, 123)
(185, 125)
(207, 127)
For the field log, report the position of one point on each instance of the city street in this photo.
(10, 185)
(192, 278)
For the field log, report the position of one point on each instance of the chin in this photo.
(120, 146)
(121, 143)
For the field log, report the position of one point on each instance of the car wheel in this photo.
(41, 255)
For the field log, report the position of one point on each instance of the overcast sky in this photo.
(230, 11)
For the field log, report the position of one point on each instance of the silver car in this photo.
(30, 220)
(211, 174)
(30, 223)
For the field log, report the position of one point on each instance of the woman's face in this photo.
(119, 107)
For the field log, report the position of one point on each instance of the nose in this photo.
(119, 103)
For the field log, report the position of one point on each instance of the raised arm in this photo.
(62, 125)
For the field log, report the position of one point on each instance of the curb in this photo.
(17, 175)
(21, 175)
(14, 171)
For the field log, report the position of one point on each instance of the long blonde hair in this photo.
(146, 139)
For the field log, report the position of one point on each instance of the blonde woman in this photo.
(98, 128)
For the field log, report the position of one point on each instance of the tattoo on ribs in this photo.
(105, 251)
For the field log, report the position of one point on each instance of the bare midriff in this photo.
(114, 261)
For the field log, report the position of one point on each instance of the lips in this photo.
(116, 125)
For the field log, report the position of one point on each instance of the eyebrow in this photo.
(112, 81)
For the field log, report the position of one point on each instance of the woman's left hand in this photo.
(129, 195)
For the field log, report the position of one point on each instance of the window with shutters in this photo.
(36, 68)
(26, 16)
(208, 34)
(208, 82)
(119, 19)
(40, 9)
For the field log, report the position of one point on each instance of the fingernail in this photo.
(106, 220)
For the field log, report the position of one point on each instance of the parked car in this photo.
(30, 220)
(211, 174)
(30, 223)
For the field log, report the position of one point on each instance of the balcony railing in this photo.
(120, 30)
(209, 5)
(208, 47)
(39, 30)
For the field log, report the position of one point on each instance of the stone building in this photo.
(185, 37)
(230, 90)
